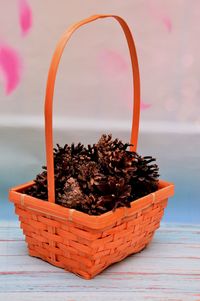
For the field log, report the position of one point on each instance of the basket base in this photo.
(86, 275)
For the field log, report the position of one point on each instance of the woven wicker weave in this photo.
(86, 245)
(75, 241)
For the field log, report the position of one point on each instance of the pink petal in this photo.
(25, 16)
(112, 62)
(11, 67)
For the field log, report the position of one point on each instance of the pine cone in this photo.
(72, 196)
(87, 174)
(115, 193)
(106, 143)
(67, 162)
(92, 152)
(144, 179)
(39, 189)
(114, 158)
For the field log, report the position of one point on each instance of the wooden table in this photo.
(168, 269)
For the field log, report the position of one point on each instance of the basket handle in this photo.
(50, 92)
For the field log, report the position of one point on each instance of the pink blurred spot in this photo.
(167, 22)
(25, 16)
(161, 15)
(144, 106)
(11, 67)
(112, 62)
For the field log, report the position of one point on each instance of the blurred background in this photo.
(93, 89)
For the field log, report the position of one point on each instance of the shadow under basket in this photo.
(85, 244)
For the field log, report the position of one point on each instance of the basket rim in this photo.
(165, 190)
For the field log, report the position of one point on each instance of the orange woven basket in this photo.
(75, 241)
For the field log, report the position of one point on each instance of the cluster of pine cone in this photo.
(98, 178)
